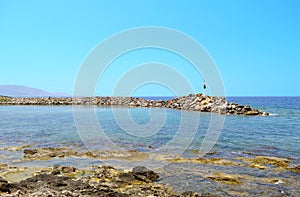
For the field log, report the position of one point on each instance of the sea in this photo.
(166, 132)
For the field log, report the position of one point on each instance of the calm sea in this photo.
(54, 126)
(278, 134)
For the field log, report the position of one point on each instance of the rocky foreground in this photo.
(193, 102)
(100, 181)
(255, 175)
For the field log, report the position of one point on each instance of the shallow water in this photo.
(166, 132)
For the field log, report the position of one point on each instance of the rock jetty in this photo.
(193, 102)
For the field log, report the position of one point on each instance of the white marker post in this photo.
(204, 88)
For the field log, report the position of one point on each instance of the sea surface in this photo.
(152, 130)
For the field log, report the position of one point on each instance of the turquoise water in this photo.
(241, 136)
(277, 135)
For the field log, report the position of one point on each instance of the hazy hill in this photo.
(24, 91)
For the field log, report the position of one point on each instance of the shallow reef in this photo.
(210, 175)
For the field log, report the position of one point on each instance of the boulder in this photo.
(251, 113)
(30, 151)
(126, 177)
(197, 108)
(203, 108)
(144, 174)
(247, 108)
(265, 114)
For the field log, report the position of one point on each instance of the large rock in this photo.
(251, 113)
(144, 174)
(197, 108)
(30, 151)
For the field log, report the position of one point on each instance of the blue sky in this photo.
(255, 44)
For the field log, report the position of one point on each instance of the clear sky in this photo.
(254, 43)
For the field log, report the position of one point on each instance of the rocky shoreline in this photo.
(104, 181)
(193, 102)
(97, 180)
(264, 172)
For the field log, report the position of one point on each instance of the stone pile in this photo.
(194, 102)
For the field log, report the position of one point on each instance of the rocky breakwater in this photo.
(199, 102)
(194, 102)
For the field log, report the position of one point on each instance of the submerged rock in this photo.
(255, 165)
(202, 160)
(225, 178)
(30, 152)
(263, 162)
(295, 169)
(14, 148)
(276, 161)
(47, 153)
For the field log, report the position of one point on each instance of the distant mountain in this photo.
(24, 91)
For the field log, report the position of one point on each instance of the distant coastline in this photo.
(27, 92)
